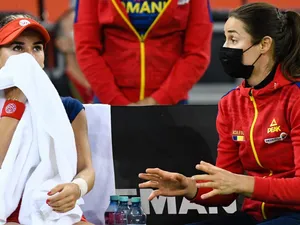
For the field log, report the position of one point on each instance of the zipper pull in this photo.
(251, 95)
(250, 92)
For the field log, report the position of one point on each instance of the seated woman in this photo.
(16, 38)
(258, 125)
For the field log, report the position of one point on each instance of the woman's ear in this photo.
(266, 44)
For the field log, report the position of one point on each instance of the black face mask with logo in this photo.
(231, 59)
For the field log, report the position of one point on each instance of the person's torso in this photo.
(142, 40)
(142, 14)
(261, 128)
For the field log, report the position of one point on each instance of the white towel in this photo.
(42, 153)
(100, 136)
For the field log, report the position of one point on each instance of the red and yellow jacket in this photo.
(259, 132)
(124, 67)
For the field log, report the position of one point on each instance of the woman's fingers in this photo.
(59, 203)
(154, 194)
(64, 208)
(146, 176)
(203, 177)
(210, 194)
(208, 168)
(158, 172)
(207, 185)
(149, 184)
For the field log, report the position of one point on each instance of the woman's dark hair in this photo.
(5, 19)
(262, 19)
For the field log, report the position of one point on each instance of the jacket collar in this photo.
(278, 82)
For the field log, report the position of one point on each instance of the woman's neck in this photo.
(260, 73)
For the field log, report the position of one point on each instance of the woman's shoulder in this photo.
(72, 106)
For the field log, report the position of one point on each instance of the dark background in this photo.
(171, 138)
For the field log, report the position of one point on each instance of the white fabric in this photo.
(83, 185)
(42, 153)
(99, 127)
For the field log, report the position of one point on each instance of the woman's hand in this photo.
(168, 184)
(65, 198)
(222, 181)
(15, 93)
(147, 102)
(132, 104)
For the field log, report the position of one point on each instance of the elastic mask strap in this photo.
(257, 59)
(249, 48)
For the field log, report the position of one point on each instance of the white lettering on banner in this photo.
(213, 210)
(171, 201)
(231, 208)
(158, 204)
(131, 192)
(186, 205)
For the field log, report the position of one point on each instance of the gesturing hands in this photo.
(167, 184)
(221, 181)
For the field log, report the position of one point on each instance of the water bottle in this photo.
(110, 212)
(122, 211)
(136, 214)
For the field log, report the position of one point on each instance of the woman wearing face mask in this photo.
(19, 34)
(258, 125)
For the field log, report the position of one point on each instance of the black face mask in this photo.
(231, 59)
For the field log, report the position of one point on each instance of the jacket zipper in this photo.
(252, 99)
(141, 39)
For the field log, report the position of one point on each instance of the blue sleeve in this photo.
(72, 107)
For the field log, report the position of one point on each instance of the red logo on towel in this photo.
(10, 108)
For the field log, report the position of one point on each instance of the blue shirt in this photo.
(72, 106)
(142, 13)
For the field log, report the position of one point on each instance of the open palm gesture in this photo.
(167, 183)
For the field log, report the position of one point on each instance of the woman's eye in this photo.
(233, 41)
(38, 48)
(18, 48)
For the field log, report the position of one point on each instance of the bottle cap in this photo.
(135, 199)
(123, 198)
(114, 197)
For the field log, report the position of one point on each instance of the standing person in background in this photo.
(64, 41)
(258, 125)
(148, 52)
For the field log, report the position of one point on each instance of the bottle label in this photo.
(121, 218)
(109, 218)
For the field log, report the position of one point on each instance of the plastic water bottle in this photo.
(136, 214)
(110, 212)
(123, 209)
